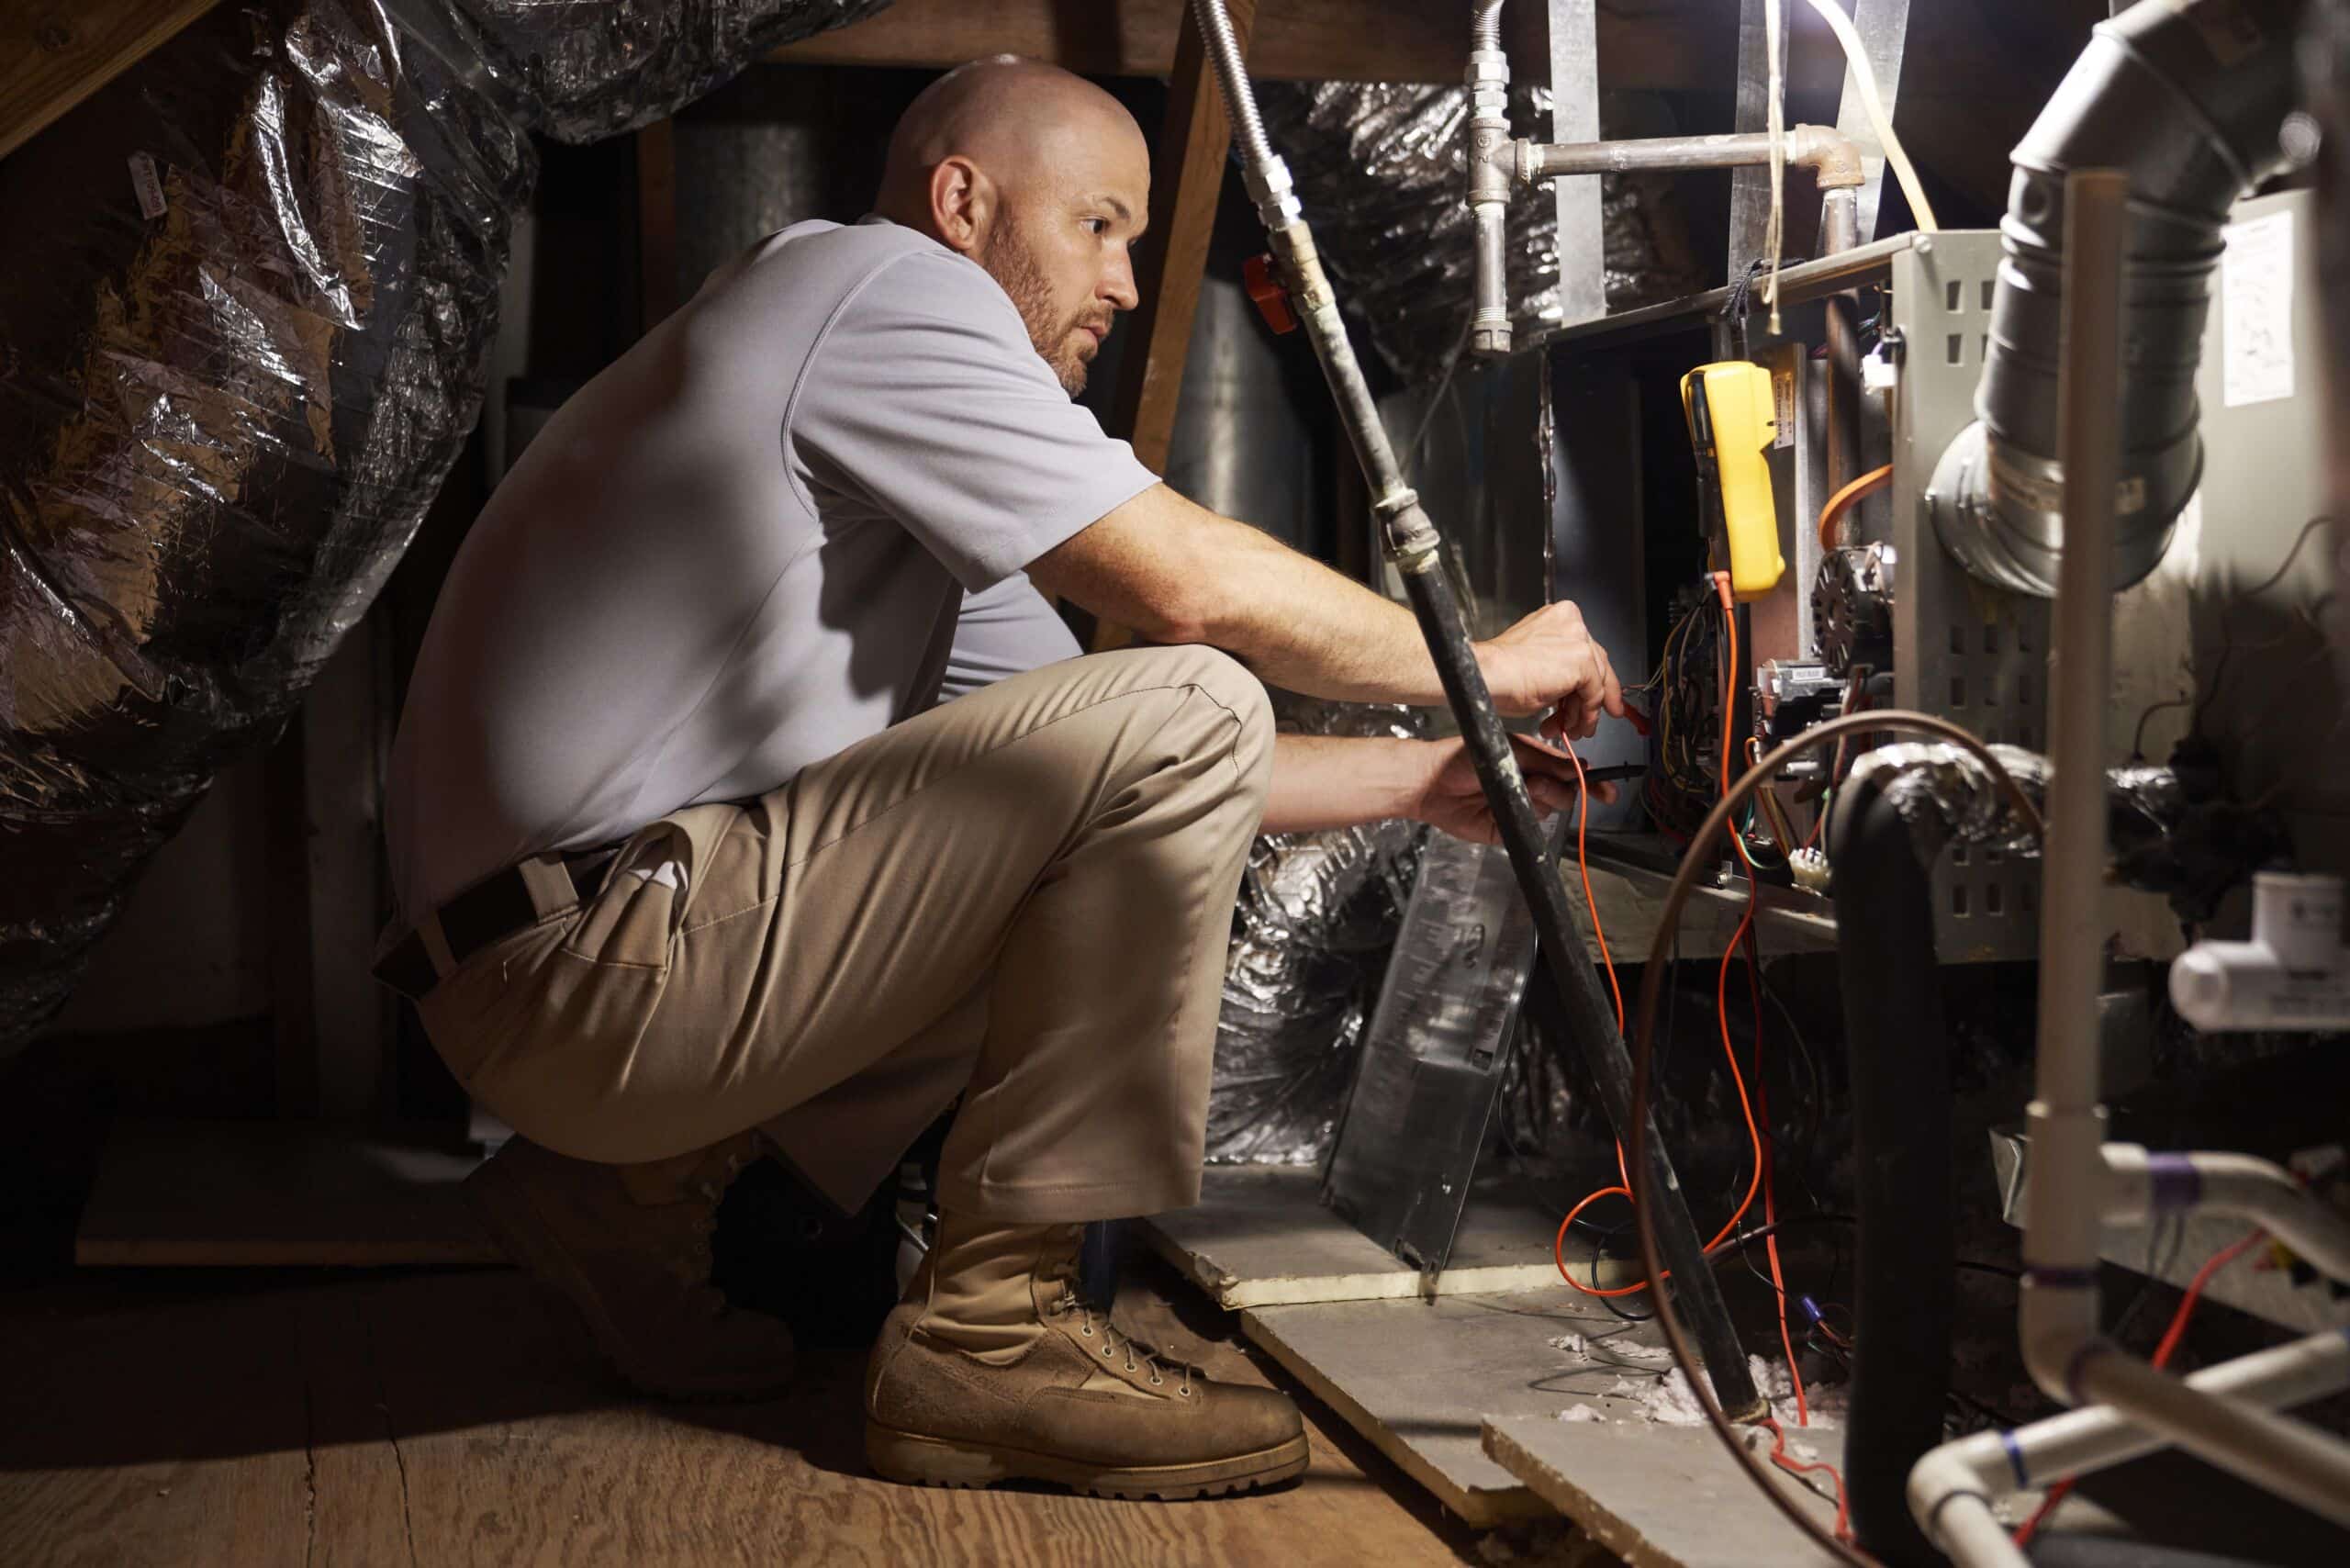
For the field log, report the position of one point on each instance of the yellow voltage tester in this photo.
(1733, 420)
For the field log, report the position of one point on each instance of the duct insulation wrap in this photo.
(251, 286)
(1378, 166)
(1316, 920)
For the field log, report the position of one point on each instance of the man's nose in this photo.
(1118, 282)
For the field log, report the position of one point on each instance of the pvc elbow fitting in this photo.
(2293, 974)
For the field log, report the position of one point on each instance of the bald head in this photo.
(1039, 176)
(1014, 117)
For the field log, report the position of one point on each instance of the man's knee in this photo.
(1227, 683)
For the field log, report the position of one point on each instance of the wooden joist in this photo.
(1187, 178)
(1643, 43)
(54, 53)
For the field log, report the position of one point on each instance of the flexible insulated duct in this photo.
(252, 283)
(2186, 96)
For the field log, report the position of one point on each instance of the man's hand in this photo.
(1453, 801)
(1549, 661)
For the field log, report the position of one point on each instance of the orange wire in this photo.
(1721, 1001)
(1838, 504)
(2160, 1358)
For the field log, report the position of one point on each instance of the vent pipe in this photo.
(2188, 97)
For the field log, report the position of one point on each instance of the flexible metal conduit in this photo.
(2187, 100)
(1411, 542)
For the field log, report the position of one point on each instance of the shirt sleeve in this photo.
(925, 399)
(1005, 630)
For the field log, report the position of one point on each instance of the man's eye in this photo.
(1097, 226)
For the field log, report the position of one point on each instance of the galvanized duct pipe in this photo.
(253, 283)
(2187, 97)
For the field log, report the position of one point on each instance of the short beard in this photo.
(1013, 266)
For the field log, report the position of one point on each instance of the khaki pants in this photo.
(1023, 897)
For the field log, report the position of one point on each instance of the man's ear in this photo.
(962, 203)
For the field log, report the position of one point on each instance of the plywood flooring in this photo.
(259, 1420)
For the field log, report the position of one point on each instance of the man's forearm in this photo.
(1332, 781)
(1179, 573)
(1303, 627)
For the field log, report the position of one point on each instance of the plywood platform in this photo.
(1259, 1237)
(1661, 1496)
(1418, 1378)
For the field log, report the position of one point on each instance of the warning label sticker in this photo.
(2256, 309)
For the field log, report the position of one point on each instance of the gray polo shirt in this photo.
(744, 546)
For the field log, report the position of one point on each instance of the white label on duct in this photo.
(149, 189)
(2256, 309)
(1783, 408)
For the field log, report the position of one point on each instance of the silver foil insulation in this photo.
(1378, 166)
(1316, 921)
(253, 283)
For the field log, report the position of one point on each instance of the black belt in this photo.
(488, 912)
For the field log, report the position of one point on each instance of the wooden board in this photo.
(1189, 166)
(1661, 45)
(427, 1419)
(1661, 1496)
(1259, 1237)
(54, 53)
(1416, 1378)
(266, 1194)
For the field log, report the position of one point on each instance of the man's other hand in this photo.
(1453, 801)
(1549, 661)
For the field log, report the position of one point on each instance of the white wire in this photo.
(1774, 242)
(1864, 78)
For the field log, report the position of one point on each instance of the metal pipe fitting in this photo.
(2189, 109)
(1834, 163)
(1489, 151)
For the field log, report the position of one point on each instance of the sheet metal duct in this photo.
(253, 283)
(1378, 166)
(1316, 920)
(2188, 97)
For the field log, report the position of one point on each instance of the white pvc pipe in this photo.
(2142, 1185)
(1952, 1488)
(2289, 1458)
(2062, 1225)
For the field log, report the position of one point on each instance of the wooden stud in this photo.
(54, 53)
(657, 220)
(1188, 178)
(1671, 44)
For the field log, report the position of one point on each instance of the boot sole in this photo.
(934, 1461)
(503, 1204)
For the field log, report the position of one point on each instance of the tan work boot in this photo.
(993, 1370)
(627, 1247)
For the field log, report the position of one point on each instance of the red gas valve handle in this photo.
(1272, 299)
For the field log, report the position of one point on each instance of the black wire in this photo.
(2227, 637)
(2138, 739)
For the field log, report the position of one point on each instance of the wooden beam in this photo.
(657, 222)
(1643, 43)
(1188, 178)
(54, 53)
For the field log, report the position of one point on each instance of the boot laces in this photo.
(1139, 1357)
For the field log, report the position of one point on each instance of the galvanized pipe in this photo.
(2194, 123)
(1412, 543)
(1840, 229)
(1835, 163)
